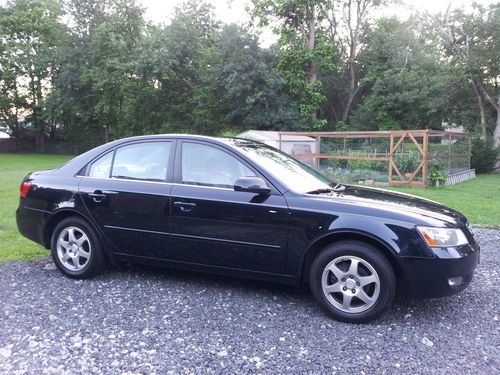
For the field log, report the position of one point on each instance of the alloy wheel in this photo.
(73, 248)
(350, 284)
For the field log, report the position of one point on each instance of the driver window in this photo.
(208, 166)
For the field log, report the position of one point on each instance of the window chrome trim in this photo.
(201, 186)
(126, 179)
(154, 182)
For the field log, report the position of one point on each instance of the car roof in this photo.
(226, 140)
(75, 164)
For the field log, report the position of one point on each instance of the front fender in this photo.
(400, 237)
(312, 227)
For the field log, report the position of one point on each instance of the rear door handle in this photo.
(97, 196)
(185, 206)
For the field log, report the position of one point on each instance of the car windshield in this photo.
(299, 177)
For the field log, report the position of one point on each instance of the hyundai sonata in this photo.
(241, 208)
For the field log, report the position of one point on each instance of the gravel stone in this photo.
(138, 320)
(427, 342)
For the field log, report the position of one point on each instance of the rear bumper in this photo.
(430, 277)
(30, 223)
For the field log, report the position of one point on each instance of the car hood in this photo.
(397, 202)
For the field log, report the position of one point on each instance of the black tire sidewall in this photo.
(370, 254)
(95, 262)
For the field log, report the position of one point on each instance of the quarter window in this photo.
(208, 166)
(142, 161)
(102, 167)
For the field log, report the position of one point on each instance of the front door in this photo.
(213, 224)
(127, 194)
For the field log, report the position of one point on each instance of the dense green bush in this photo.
(484, 155)
(437, 176)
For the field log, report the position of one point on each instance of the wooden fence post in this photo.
(389, 175)
(318, 151)
(426, 157)
(449, 153)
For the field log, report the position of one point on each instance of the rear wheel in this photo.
(76, 249)
(352, 281)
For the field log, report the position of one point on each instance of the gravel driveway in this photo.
(143, 320)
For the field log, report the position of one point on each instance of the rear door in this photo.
(214, 225)
(127, 193)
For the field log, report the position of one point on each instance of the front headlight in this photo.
(443, 237)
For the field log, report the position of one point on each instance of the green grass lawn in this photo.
(478, 199)
(13, 168)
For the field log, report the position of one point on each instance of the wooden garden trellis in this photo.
(420, 138)
(422, 149)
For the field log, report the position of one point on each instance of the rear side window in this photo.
(142, 161)
(139, 161)
(102, 167)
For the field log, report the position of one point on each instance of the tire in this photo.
(357, 299)
(76, 249)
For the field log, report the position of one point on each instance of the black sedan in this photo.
(241, 208)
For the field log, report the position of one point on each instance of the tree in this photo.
(12, 101)
(241, 88)
(406, 82)
(96, 81)
(29, 33)
(473, 40)
(347, 19)
(303, 48)
(114, 48)
(73, 99)
(172, 61)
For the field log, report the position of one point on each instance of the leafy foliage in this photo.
(303, 49)
(241, 88)
(95, 70)
(408, 85)
(437, 177)
(29, 33)
(484, 155)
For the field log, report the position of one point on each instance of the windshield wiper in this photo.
(320, 191)
(336, 189)
(340, 187)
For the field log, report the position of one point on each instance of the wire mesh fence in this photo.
(414, 157)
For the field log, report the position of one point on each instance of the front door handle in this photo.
(97, 196)
(185, 206)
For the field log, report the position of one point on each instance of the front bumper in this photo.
(430, 277)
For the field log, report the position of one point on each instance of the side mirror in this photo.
(252, 185)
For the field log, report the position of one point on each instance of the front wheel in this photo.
(76, 249)
(352, 281)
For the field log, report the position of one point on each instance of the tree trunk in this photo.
(482, 112)
(496, 132)
(310, 37)
(313, 75)
(353, 24)
(478, 84)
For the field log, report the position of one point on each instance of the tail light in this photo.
(25, 188)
